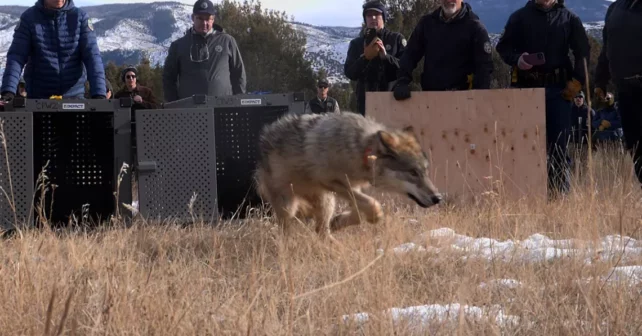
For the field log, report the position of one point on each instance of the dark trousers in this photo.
(558, 127)
(630, 107)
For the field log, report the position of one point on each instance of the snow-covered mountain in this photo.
(128, 31)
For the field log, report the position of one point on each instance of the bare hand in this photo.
(522, 64)
(371, 50)
(382, 49)
(138, 99)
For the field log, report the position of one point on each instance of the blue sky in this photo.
(327, 12)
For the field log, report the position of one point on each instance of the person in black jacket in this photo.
(374, 66)
(620, 61)
(322, 103)
(549, 28)
(456, 49)
(579, 118)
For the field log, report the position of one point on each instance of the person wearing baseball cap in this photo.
(373, 56)
(206, 60)
(322, 103)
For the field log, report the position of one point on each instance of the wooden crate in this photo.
(478, 141)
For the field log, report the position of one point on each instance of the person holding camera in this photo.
(373, 57)
(535, 43)
(464, 60)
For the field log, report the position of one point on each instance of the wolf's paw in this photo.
(326, 236)
(342, 220)
(375, 214)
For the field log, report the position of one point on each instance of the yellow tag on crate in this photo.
(56, 97)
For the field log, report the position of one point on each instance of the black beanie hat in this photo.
(127, 69)
(377, 6)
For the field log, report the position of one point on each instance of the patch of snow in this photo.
(535, 248)
(501, 283)
(421, 318)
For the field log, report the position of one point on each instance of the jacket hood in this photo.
(69, 5)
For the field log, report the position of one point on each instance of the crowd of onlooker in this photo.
(605, 121)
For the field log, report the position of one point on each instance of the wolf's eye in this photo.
(414, 173)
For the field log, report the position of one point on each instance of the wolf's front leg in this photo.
(285, 208)
(324, 205)
(363, 208)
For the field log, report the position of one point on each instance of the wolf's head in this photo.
(401, 166)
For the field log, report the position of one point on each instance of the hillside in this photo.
(126, 32)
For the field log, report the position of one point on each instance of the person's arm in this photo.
(413, 52)
(483, 58)
(170, 74)
(617, 121)
(602, 71)
(90, 54)
(508, 41)
(17, 56)
(392, 61)
(355, 63)
(149, 100)
(580, 47)
(237, 69)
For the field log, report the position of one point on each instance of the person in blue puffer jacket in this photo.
(55, 43)
(607, 123)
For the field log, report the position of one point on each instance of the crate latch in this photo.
(147, 166)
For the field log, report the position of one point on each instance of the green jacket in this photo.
(197, 64)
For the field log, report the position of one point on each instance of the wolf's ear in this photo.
(410, 130)
(388, 141)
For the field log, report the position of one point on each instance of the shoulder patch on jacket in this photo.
(404, 42)
(90, 24)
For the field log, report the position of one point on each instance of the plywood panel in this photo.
(478, 141)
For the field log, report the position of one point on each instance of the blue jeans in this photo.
(558, 129)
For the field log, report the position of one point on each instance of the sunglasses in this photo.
(130, 77)
(322, 87)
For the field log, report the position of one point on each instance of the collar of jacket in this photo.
(556, 5)
(461, 14)
(69, 5)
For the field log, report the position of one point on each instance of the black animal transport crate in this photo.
(219, 141)
(79, 145)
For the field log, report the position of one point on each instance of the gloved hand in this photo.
(605, 124)
(573, 87)
(8, 96)
(371, 51)
(401, 91)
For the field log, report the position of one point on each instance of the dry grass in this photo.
(159, 279)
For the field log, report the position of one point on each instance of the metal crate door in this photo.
(176, 162)
(17, 178)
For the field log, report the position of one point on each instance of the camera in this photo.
(371, 34)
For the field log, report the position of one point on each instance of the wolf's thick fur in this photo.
(305, 159)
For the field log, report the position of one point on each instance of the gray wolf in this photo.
(305, 160)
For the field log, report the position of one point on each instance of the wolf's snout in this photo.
(436, 199)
